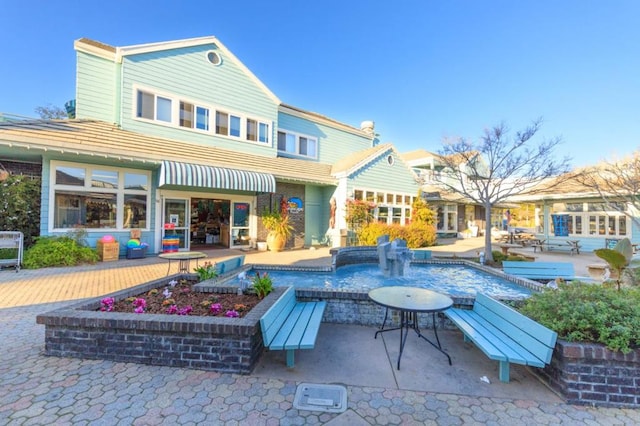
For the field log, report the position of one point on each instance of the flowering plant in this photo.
(106, 304)
(232, 314)
(359, 212)
(262, 284)
(139, 305)
(206, 271)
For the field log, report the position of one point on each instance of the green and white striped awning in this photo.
(186, 174)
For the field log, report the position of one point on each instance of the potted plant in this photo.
(279, 228)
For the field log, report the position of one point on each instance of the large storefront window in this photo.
(593, 219)
(390, 207)
(99, 197)
(447, 218)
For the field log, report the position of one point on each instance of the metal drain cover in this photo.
(316, 397)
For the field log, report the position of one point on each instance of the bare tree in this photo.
(617, 183)
(498, 166)
(51, 112)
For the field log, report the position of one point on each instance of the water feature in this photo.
(455, 280)
(392, 256)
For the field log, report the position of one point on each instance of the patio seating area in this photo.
(426, 389)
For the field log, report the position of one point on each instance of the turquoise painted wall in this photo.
(381, 176)
(333, 144)
(316, 214)
(187, 73)
(97, 88)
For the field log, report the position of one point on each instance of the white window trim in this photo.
(213, 109)
(385, 204)
(298, 135)
(120, 193)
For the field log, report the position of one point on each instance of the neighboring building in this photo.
(455, 213)
(571, 211)
(181, 134)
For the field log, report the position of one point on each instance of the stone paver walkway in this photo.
(39, 390)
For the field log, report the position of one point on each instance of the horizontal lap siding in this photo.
(333, 144)
(96, 88)
(186, 73)
(381, 176)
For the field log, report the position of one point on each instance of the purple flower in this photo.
(172, 309)
(139, 310)
(215, 308)
(232, 314)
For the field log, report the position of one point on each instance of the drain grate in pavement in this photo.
(317, 397)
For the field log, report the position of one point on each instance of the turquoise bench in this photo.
(421, 254)
(540, 270)
(504, 334)
(289, 325)
(229, 264)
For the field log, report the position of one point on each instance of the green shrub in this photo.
(20, 207)
(57, 251)
(592, 313)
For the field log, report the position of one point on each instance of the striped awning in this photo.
(186, 174)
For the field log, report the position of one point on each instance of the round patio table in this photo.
(410, 301)
(184, 258)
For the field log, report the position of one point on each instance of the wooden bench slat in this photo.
(308, 340)
(464, 320)
(514, 350)
(503, 334)
(289, 325)
(539, 270)
(534, 329)
(276, 315)
(281, 339)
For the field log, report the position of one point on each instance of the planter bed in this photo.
(222, 344)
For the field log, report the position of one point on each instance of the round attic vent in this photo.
(214, 57)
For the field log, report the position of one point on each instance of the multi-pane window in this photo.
(594, 219)
(193, 116)
(98, 197)
(390, 207)
(293, 143)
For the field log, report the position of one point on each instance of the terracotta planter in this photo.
(275, 242)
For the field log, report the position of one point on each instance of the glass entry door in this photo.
(176, 212)
(240, 224)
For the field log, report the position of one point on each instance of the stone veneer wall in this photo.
(222, 344)
(591, 374)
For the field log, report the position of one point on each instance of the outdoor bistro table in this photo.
(184, 258)
(410, 301)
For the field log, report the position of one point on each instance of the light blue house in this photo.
(181, 139)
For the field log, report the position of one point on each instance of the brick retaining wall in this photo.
(231, 345)
(591, 374)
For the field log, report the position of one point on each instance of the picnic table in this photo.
(505, 247)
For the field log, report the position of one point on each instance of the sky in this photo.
(422, 70)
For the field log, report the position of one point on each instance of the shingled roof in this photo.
(98, 138)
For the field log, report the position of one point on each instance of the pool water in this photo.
(455, 280)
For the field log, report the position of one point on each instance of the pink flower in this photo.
(107, 304)
(215, 308)
(232, 314)
(172, 309)
(139, 304)
(186, 310)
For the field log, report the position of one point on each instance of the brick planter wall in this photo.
(231, 345)
(590, 374)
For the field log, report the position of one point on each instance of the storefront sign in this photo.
(295, 205)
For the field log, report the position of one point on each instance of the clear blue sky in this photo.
(421, 69)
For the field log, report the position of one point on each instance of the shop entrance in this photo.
(210, 223)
